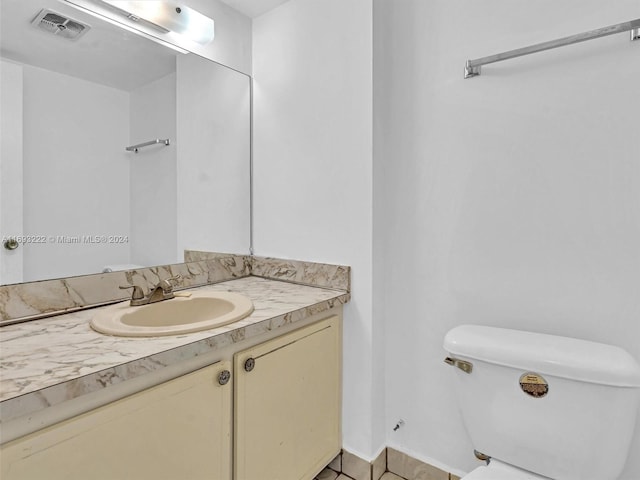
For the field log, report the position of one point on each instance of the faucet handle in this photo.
(137, 294)
(167, 285)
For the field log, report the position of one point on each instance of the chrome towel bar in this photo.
(472, 67)
(135, 148)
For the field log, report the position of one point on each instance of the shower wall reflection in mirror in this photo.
(75, 200)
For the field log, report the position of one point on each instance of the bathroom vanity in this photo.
(243, 401)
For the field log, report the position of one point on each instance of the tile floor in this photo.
(328, 474)
(402, 466)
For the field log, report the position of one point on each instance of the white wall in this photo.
(153, 187)
(10, 168)
(511, 199)
(312, 163)
(70, 167)
(213, 146)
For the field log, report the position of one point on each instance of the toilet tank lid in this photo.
(564, 357)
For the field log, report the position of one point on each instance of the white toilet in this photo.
(543, 406)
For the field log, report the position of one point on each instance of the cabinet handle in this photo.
(224, 376)
(249, 364)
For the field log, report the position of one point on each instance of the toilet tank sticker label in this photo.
(534, 385)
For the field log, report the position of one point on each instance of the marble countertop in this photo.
(48, 361)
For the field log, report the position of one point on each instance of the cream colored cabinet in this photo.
(180, 429)
(288, 404)
(282, 401)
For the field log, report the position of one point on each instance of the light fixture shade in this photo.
(168, 17)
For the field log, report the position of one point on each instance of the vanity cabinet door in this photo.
(288, 404)
(177, 430)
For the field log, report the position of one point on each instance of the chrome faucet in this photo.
(162, 291)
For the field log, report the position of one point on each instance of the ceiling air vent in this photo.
(59, 25)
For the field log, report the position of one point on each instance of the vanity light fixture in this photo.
(167, 16)
(164, 22)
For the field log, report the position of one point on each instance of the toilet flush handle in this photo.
(466, 367)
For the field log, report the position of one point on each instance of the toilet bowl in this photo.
(496, 470)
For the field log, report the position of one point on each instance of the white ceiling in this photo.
(254, 8)
(105, 54)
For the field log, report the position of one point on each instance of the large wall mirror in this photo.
(74, 199)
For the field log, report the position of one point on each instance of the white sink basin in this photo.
(182, 314)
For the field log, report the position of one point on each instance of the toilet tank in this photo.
(560, 407)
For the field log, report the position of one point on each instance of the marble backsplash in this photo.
(306, 273)
(27, 301)
(321, 275)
